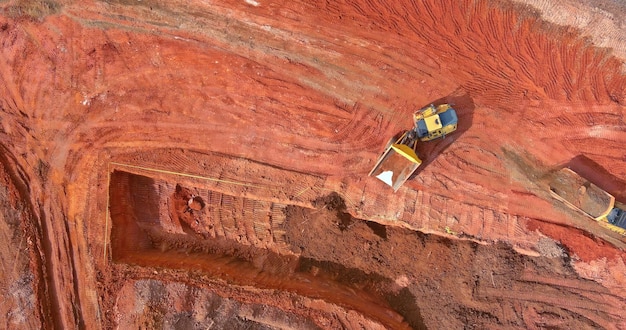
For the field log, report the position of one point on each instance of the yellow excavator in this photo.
(581, 195)
(399, 160)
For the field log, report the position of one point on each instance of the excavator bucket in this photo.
(580, 194)
(583, 196)
(396, 164)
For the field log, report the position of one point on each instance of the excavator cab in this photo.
(434, 122)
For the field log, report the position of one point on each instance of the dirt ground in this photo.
(194, 164)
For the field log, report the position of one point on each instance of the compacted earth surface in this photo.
(204, 164)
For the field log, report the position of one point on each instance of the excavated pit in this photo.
(240, 241)
(269, 246)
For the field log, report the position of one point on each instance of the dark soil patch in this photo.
(430, 280)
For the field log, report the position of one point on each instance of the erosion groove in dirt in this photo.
(22, 284)
(250, 114)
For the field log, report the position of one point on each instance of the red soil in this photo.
(280, 109)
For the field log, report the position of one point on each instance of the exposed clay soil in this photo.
(187, 164)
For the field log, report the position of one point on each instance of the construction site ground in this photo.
(196, 164)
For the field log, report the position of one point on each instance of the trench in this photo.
(164, 225)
